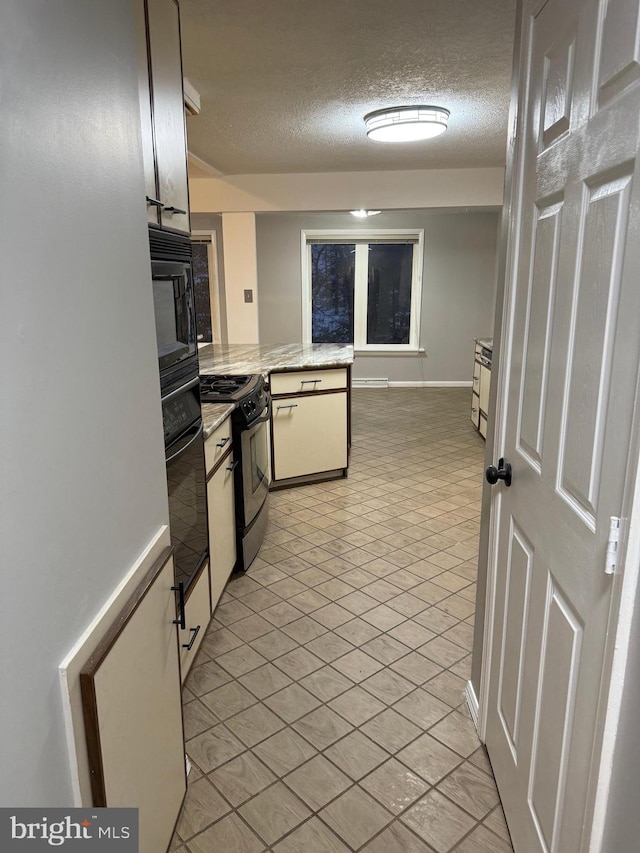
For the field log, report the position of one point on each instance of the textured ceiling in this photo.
(285, 83)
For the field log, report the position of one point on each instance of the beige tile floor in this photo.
(325, 710)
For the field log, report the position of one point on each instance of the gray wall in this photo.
(81, 447)
(457, 297)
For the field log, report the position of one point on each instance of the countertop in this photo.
(265, 358)
(213, 414)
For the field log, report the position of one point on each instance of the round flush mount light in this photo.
(362, 214)
(406, 124)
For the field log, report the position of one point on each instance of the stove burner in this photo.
(222, 387)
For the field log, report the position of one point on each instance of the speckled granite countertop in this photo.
(258, 358)
(213, 414)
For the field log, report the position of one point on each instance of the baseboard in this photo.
(423, 383)
(386, 383)
(472, 703)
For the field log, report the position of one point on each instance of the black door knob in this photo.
(502, 472)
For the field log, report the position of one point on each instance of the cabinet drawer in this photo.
(308, 380)
(197, 611)
(217, 444)
(482, 426)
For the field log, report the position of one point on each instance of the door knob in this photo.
(502, 472)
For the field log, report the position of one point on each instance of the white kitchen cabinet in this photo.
(133, 712)
(309, 434)
(481, 387)
(220, 508)
(197, 613)
(162, 114)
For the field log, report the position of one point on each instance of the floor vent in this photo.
(383, 382)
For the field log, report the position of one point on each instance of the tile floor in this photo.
(325, 710)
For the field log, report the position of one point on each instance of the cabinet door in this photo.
(309, 435)
(197, 613)
(475, 410)
(133, 711)
(168, 112)
(222, 527)
(485, 382)
(144, 90)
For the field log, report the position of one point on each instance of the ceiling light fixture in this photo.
(406, 124)
(362, 214)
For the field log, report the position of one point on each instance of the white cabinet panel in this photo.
(222, 526)
(197, 611)
(309, 434)
(133, 711)
(308, 380)
(217, 445)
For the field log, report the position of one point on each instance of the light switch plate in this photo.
(248, 296)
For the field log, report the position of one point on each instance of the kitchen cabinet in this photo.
(221, 508)
(162, 114)
(133, 712)
(197, 613)
(481, 385)
(309, 425)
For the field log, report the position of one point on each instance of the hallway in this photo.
(325, 711)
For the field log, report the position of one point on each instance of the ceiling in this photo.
(284, 84)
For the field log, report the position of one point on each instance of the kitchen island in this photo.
(311, 404)
(238, 359)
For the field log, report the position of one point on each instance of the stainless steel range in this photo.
(250, 435)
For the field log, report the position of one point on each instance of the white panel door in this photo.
(571, 345)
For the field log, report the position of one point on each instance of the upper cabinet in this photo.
(162, 114)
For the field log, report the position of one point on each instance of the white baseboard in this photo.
(431, 384)
(472, 703)
(386, 383)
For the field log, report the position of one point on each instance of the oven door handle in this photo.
(182, 450)
(181, 390)
(261, 420)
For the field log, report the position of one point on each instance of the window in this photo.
(362, 288)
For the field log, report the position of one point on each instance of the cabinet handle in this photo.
(172, 209)
(476, 378)
(234, 466)
(194, 632)
(291, 406)
(310, 381)
(155, 202)
(223, 442)
(474, 410)
(180, 590)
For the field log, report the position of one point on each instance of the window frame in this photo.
(361, 237)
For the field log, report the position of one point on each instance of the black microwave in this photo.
(174, 307)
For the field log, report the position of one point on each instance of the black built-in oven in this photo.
(174, 308)
(186, 480)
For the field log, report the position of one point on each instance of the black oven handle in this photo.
(182, 450)
(181, 390)
(261, 420)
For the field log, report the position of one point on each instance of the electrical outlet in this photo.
(248, 296)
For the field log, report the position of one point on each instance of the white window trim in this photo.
(360, 314)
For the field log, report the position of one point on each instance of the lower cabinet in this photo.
(221, 508)
(309, 434)
(132, 710)
(197, 613)
(222, 525)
